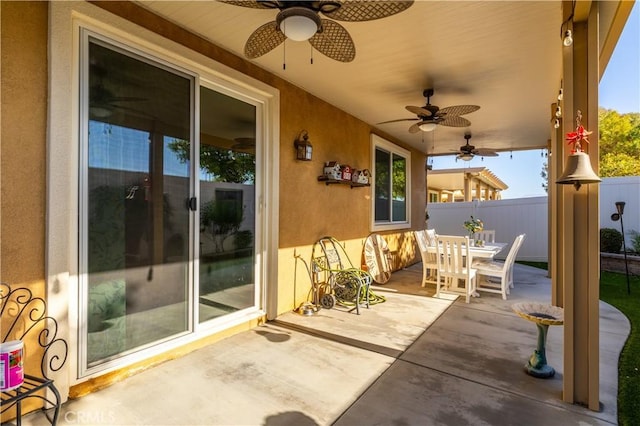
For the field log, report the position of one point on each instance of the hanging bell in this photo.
(578, 171)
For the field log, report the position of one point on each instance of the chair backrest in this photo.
(511, 257)
(452, 252)
(431, 236)
(487, 235)
(426, 239)
(421, 240)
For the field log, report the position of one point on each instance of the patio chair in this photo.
(495, 276)
(425, 239)
(452, 253)
(487, 235)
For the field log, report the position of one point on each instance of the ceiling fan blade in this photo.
(263, 40)
(485, 152)
(334, 41)
(400, 119)
(415, 128)
(418, 111)
(354, 11)
(127, 99)
(455, 121)
(255, 4)
(459, 109)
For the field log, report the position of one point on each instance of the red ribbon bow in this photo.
(578, 136)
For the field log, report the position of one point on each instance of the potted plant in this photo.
(474, 225)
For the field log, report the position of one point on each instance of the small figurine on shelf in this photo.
(332, 170)
(361, 177)
(346, 172)
(365, 177)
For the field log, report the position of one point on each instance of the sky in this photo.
(619, 90)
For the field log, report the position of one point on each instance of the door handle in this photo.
(192, 204)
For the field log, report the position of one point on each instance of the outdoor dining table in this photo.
(487, 251)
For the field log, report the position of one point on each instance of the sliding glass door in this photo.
(137, 227)
(168, 228)
(227, 207)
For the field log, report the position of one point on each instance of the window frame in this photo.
(378, 143)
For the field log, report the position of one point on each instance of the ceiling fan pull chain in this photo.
(284, 55)
(311, 47)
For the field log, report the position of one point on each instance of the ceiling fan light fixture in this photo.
(465, 156)
(298, 23)
(100, 111)
(428, 127)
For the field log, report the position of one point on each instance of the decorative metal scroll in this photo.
(21, 313)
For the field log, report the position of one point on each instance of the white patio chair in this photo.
(426, 239)
(452, 253)
(486, 235)
(495, 276)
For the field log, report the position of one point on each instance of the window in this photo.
(391, 186)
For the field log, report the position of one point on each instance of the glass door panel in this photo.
(136, 187)
(227, 205)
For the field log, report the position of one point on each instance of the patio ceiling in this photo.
(454, 179)
(503, 56)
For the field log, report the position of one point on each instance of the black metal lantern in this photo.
(304, 149)
(618, 217)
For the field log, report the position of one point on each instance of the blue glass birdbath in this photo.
(543, 316)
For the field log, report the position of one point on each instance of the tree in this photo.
(619, 143)
(224, 164)
(222, 218)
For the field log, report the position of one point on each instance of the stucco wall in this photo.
(23, 79)
(23, 146)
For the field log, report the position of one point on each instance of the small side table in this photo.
(543, 316)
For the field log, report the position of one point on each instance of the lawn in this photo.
(613, 290)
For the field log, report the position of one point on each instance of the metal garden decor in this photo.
(615, 217)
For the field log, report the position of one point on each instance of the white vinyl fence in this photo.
(512, 217)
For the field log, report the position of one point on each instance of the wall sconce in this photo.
(578, 169)
(304, 149)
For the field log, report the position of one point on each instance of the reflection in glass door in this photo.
(136, 231)
(141, 194)
(227, 205)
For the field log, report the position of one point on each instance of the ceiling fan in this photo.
(429, 116)
(300, 20)
(102, 101)
(467, 152)
(244, 143)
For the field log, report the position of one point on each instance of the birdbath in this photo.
(543, 316)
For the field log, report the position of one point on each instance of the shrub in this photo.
(610, 240)
(635, 240)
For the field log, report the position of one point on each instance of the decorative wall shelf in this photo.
(329, 181)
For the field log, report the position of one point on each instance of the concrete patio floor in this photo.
(413, 360)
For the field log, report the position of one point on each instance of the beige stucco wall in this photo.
(23, 147)
(23, 103)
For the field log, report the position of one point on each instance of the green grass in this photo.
(613, 290)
